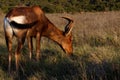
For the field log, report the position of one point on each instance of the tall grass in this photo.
(96, 43)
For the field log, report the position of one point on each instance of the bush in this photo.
(51, 6)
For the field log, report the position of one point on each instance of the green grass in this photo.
(96, 43)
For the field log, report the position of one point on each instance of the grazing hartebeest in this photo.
(31, 22)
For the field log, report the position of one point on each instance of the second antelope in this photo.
(28, 22)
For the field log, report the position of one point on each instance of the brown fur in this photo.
(43, 27)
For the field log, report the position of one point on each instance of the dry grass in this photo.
(96, 42)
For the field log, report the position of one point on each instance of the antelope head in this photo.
(67, 40)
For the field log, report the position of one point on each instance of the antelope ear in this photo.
(69, 26)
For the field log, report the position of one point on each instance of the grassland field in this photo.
(96, 44)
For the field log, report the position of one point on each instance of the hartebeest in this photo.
(28, 22)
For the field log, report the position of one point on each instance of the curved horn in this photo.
(69, 26)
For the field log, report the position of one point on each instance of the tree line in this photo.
(59, 6)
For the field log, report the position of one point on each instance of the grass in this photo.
(96, 43)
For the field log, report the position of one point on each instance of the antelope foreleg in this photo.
(30, 46)
(38, 36)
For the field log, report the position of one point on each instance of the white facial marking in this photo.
(18, 19)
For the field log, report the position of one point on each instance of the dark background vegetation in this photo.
(59, 6)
